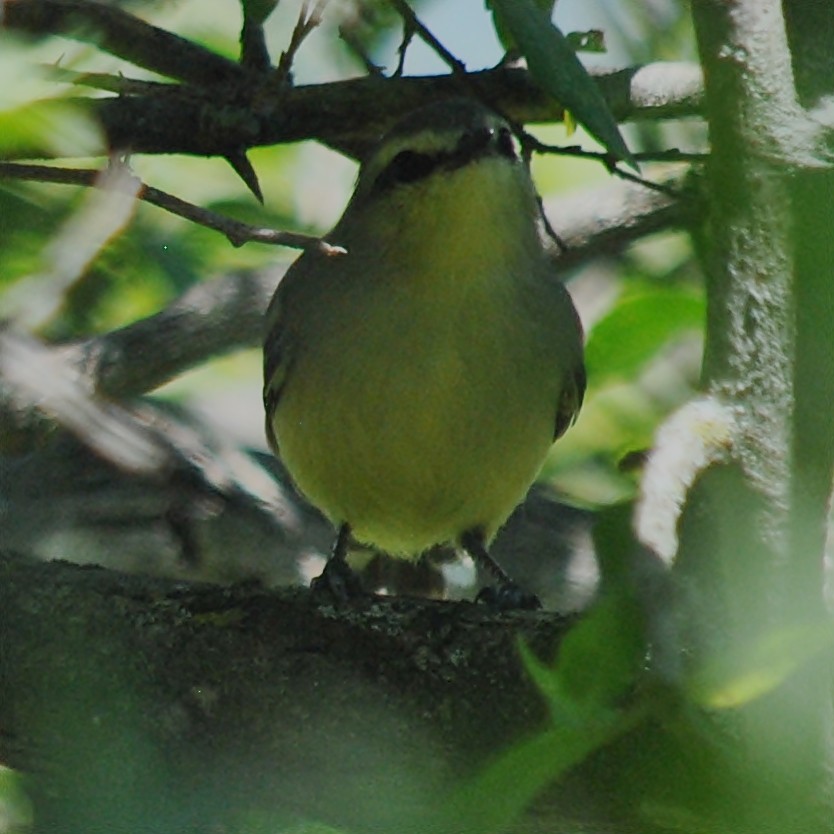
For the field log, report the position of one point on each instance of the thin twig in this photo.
(531, 144)
(305, 24)
(236, 231)
(671, 155)
(402, 49)
(225, 314)
(667, 155)
(548, 227)
(353, 43)
(654, 186)
(412, 22)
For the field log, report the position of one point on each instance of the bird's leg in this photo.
(505, 594)
(337, 579)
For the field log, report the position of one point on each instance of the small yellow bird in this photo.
(414, 385)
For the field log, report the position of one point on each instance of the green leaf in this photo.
(751, 671)
(569, 122)
(600, 658)
(637, 328)
(16, 810)
(553, 63)
(505, 36)
(500, 793)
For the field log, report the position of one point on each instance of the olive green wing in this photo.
(278, 349)
(570, 400)
(575, 382)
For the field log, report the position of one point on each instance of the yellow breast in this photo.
(422, 395)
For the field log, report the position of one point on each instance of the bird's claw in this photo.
(337, 581)
(508, 597)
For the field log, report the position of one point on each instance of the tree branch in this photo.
(750, 332)
(349, 115)
(747, 577)
(290, 703)
(124, 35)
(237, 109)
(655, 91)
(605, 220)
(226, 314)
(172, 702)
(236, 231)
(211, 319)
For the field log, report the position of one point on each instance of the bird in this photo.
(414, 383)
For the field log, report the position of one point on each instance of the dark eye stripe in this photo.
(407, 166)
(410, 166)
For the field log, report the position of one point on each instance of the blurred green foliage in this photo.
(650, 308)
(16, 813)
(651, 317)
(641, 312)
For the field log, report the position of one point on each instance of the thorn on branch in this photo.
(243, 168)
(107, 81)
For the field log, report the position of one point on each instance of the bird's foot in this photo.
(508, 597)
(337, 581)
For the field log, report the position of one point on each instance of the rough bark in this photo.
(750, 571)
(159, 704)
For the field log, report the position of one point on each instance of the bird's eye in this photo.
(505, 144)
(408, 166)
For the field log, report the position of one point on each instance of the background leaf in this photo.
(751, 671)
(638, 327)
(553, 63)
